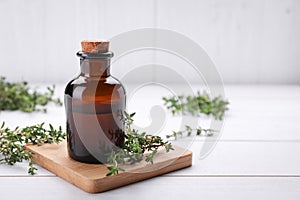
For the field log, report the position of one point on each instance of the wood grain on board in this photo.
(92, 177)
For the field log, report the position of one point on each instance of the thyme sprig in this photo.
(188, 131)
(194, 105)
(19, 96)
(13, 141)
(135, 146)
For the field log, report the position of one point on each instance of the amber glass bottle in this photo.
(94, 102)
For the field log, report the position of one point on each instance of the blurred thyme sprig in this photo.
(135, 146)
(188, 131)
(13, 141)
(19, 96)
(194, 105)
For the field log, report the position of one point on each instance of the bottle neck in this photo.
(96, 67)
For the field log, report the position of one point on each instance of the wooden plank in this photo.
(227, 158)
(157, 188)
(244, 158)
(268, 112)
(92, 177)
(277, 130)
(272, 112)
(20, 169)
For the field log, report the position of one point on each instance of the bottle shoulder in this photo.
(81, 80)
(113, 80)
(99, 85)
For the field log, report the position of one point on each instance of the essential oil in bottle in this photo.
(94, 103)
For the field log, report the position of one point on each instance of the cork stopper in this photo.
(95, 46)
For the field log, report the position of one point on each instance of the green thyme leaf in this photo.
(19, 96)
(135, 147)
(194, 105)
(13, 141)
(189, 131)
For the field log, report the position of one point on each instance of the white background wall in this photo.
(251, 41)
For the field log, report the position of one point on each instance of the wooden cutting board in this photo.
(92, 177)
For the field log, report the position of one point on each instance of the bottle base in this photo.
(85, 159)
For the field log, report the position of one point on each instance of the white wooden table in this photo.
(257, 156)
